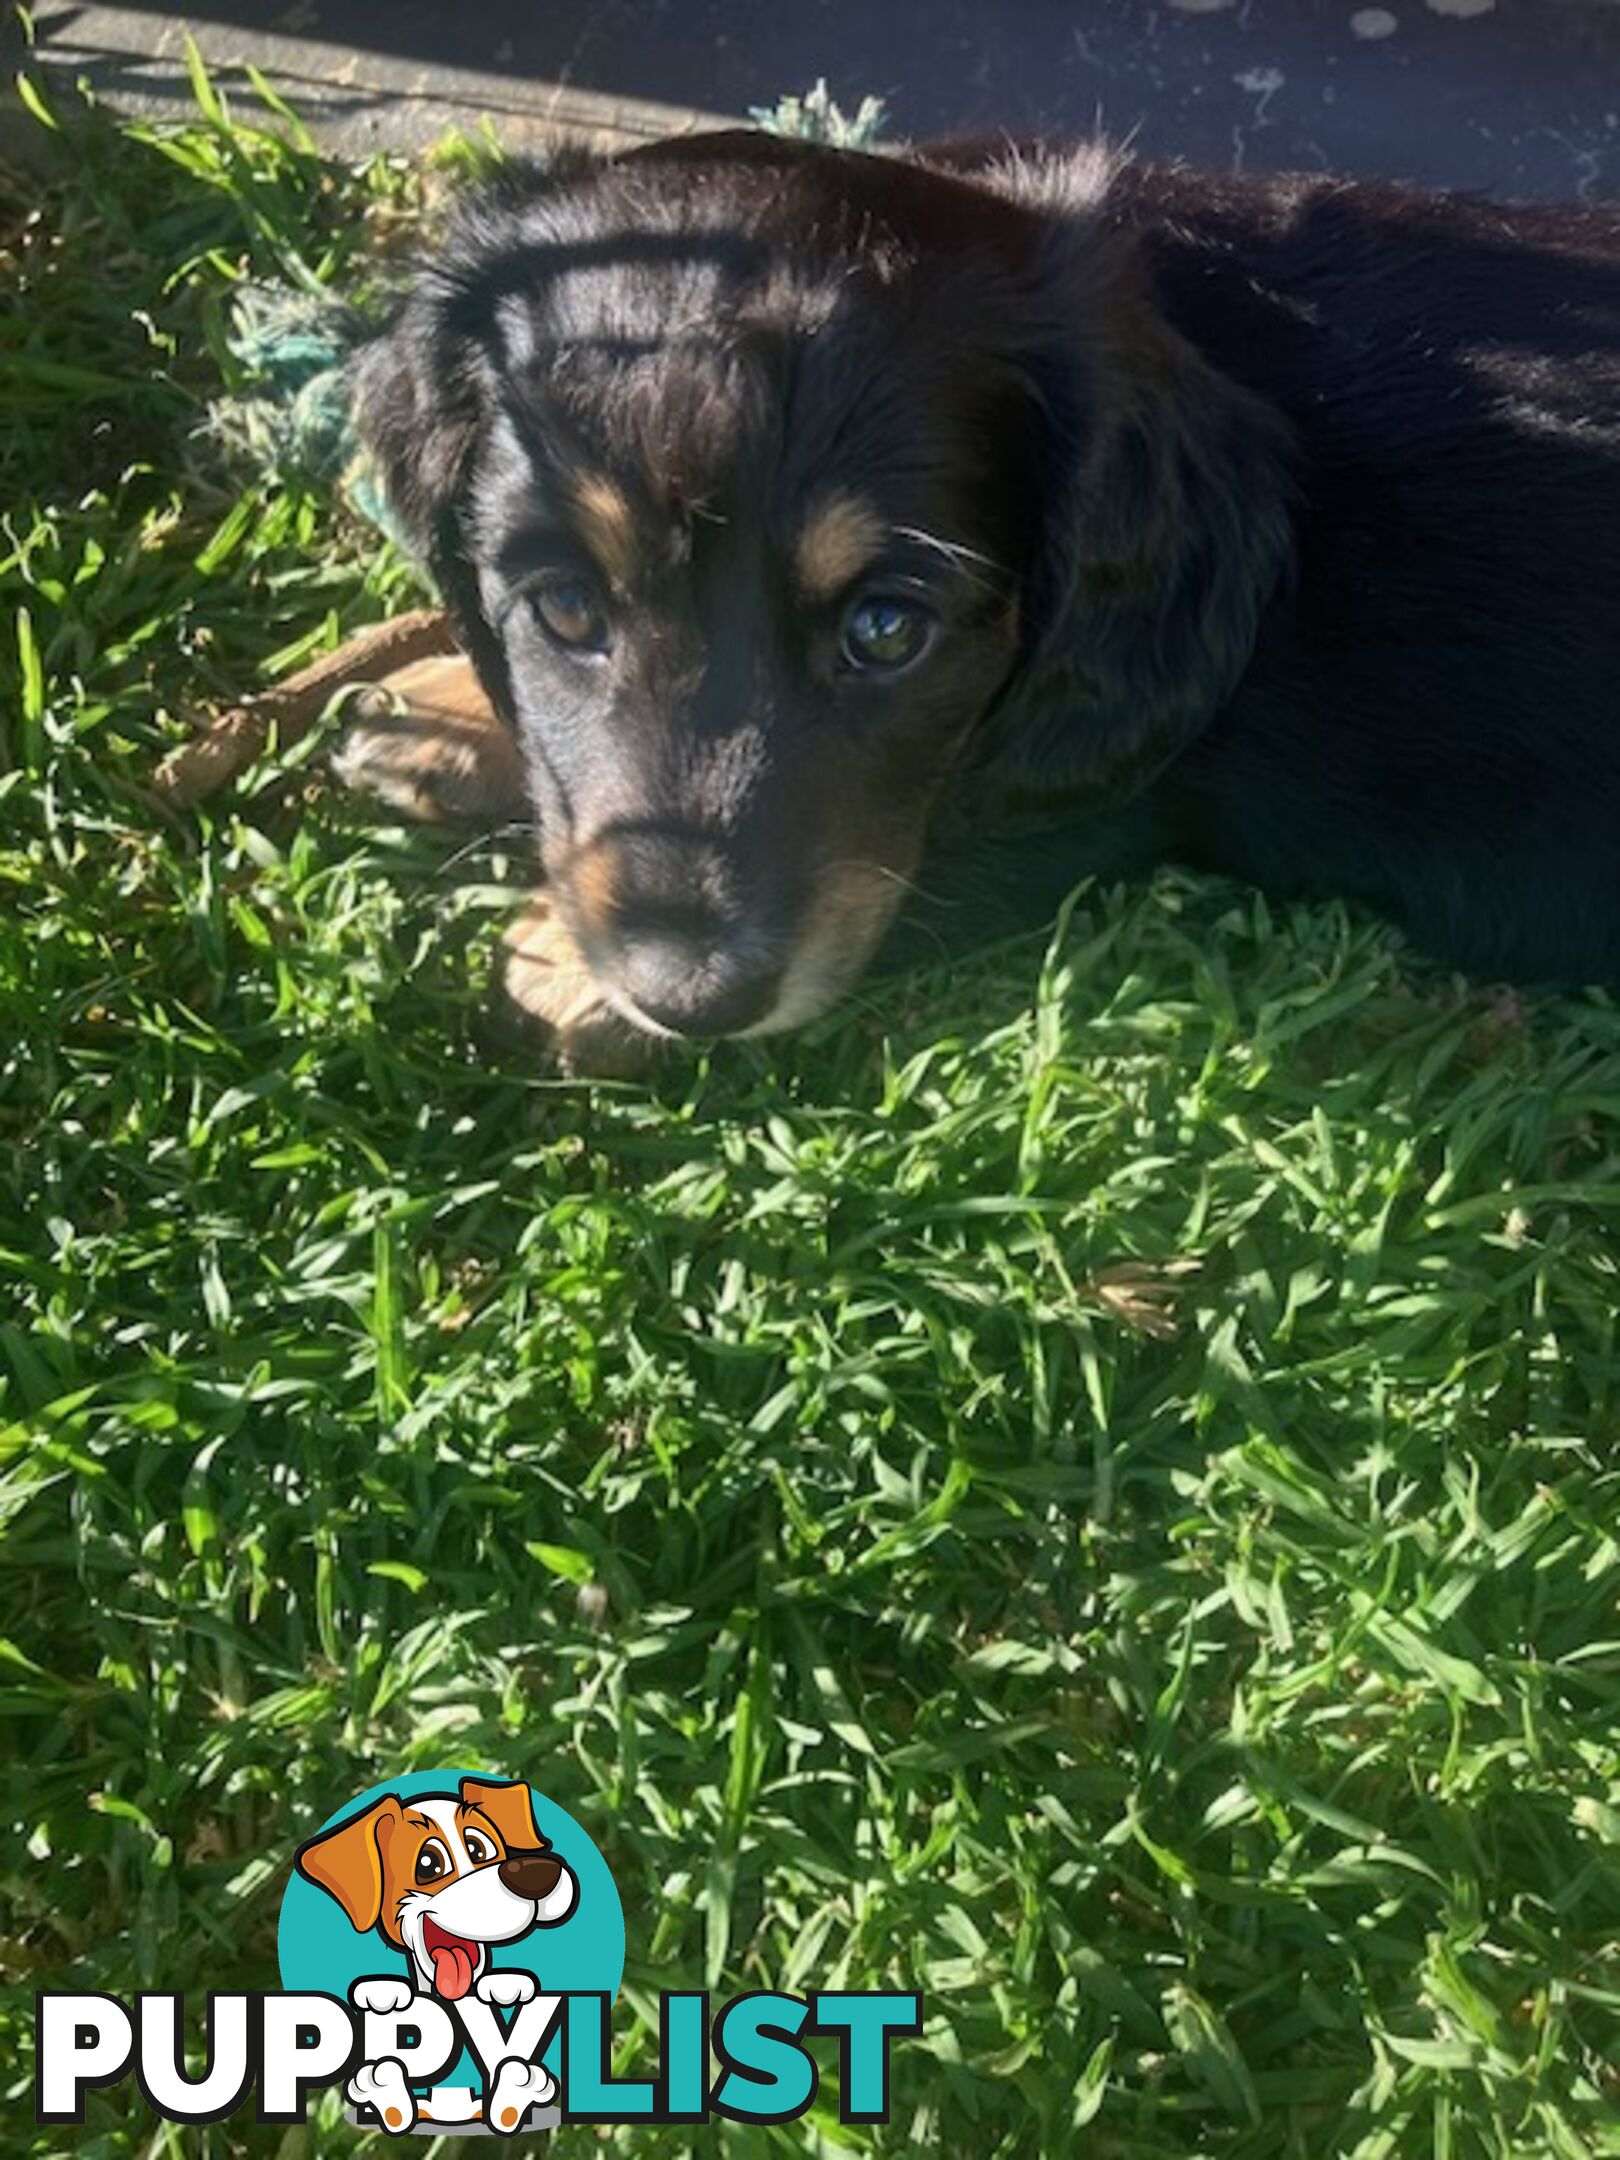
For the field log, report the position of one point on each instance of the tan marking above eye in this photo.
(837, 541)
(607, 525)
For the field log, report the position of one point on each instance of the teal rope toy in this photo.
(815, 118)
(293, 418)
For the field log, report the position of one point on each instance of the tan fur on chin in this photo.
(549, 990)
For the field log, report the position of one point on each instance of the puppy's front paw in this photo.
(382, 2086)
(382, 1996)
(518, 2087)
(428, 746)
(547, 988)
(506, 1987)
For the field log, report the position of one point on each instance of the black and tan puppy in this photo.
(830, 531)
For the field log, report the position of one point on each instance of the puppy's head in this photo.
(772, 486)
(443, 1875)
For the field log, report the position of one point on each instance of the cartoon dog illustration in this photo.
(441, 1877)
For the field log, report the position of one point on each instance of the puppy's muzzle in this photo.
(672, 932)
(530, 1874)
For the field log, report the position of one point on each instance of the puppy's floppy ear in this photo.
(421, 399)
(1164, 533)
(423, 385)
(347, 1861)
(509, 1808)
(426, 386)
(418, 404)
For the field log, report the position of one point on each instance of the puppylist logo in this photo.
(450, 1948)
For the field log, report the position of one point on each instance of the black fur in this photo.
(1287, 519)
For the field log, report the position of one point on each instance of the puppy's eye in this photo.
(479, 1850)
(571, 609)
(883, 635)
(432, 1862)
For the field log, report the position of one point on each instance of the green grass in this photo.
(1083, 1485)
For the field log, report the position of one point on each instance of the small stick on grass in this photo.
(228, 744)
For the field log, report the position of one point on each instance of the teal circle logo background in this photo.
(320, 1953)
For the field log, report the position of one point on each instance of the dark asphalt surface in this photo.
(1515, 96)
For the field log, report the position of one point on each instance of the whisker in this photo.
(862, 1002)
(895, 877)
(492, 837)
(971, 561)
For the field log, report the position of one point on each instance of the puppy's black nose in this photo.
(530, 1874)
(694, 977)
(691, 991)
